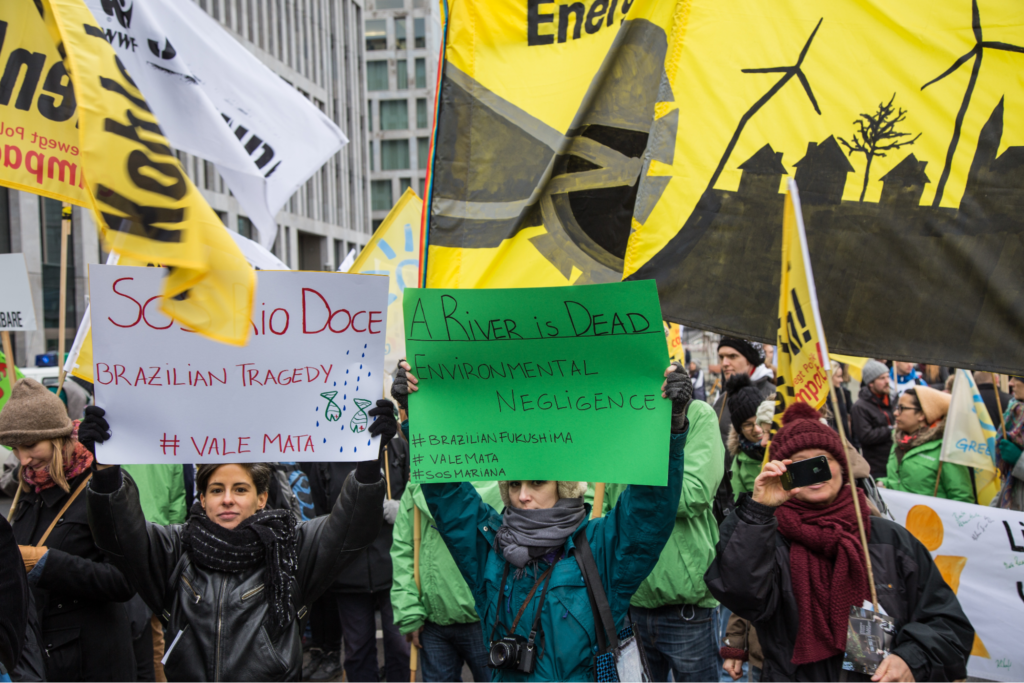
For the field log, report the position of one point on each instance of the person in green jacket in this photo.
(439, 618)
(523, 561)
(672, 609)
(917, 444)
(161, 492)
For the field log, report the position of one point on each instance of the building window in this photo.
(380, 195)
(376, 34)
(403, 75)
(394, 115)
(5, 222)
(244, 227)
(399, 34)
(422, 184)
(394, 155)
(423, 152)
(404, 184)
(377, 223)
(421, 113)
(377, 75)
(420, 32)
(371, 155)
(50, 226)
(421, 73)
(389, 4)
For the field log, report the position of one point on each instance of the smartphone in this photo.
(806, 473)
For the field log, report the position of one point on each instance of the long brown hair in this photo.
(62, 449)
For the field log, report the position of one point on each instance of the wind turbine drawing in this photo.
(975, 53)
(788, 72)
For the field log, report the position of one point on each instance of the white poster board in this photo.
(980, 552)
(16, 311)
(299, 390)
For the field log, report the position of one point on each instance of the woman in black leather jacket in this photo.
(234, 582)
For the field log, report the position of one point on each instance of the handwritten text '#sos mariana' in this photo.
(310, 313)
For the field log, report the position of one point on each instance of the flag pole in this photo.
(856, 498)
(938, 478)
(65, 232)
(12, 372)
(995, 386)
(598, 500)
(417, 540)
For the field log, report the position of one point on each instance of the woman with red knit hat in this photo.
(792, 563)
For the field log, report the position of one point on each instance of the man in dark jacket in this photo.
(743, 357)
(987, 388)
(364, 586)
(14, 606)
(872, 417)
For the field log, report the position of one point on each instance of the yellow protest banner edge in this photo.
(399, 206)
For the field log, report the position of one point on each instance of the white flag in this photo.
(216, 100)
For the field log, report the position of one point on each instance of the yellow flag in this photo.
(394, 251)
(39, 148)
(674, 338)
(145, 206)
(544, 120)
(803, 355)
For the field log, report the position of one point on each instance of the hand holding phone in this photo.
(780, 479)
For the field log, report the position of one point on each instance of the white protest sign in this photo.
(300, 390)
(16, 311)
(980, 552)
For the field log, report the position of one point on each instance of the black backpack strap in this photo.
(607, 637)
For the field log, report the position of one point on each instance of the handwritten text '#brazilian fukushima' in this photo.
(455, 323)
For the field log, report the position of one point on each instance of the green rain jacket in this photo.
(161, 492)
(626, 546)
(678, 578)
(917, 471)
(445, 598)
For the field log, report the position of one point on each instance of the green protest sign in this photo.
(556, 383)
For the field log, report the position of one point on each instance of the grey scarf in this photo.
(527, 535)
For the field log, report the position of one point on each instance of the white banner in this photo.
(16, 311)
(980, 552)
(300, 390)
(216, 100)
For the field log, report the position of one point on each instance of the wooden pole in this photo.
(856, 501)
(598, 501)
(938, 478)
(12, 372)
(65, 232)
(387, 471)
(17, 496)
(417, 539)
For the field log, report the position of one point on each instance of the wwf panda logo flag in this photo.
(216, 100)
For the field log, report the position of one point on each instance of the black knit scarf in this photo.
(752, 449)
(267, 539)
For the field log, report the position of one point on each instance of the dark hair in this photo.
(912, 393)
(259, 472)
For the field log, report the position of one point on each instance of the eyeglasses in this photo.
(900, 408)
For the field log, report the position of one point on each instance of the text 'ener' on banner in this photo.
(548, 383)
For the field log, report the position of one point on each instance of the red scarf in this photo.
(827, 569)
(79, 461)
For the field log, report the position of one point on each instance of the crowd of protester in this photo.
(295, 571)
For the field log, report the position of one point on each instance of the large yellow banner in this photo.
(145, 206)
(803, 355)
(394, 251)
(39, 147)
(545, 114)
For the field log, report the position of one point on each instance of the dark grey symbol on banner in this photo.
(167, 53)
(253, 146)
(121, 9)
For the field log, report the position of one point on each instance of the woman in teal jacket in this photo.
(626, 545)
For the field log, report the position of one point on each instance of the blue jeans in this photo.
(446, 648)
(682, 638)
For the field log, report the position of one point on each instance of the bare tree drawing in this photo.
(877, 135)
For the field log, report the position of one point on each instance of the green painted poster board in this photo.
(556, 383)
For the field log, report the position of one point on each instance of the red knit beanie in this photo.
(802, 429)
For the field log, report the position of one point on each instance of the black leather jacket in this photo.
(222, 618)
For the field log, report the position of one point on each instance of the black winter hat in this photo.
(743, 399)
(752, 351)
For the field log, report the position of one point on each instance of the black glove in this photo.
(679, 388)
(400, 388)
(385, 425)
(93, 428)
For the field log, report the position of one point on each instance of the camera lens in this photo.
(499, 655)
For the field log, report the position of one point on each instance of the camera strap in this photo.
(607, 637)
(546, 579)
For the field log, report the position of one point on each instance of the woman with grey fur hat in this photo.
(522, 565)
(85, 632)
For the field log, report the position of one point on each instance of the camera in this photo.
(514, 653)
